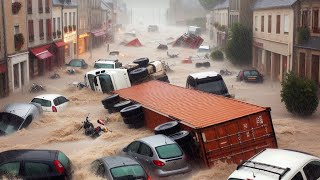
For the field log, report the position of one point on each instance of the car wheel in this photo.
(198, 65)
(131, 110)
(138, 74)
(143, 62)
(135, 119)
(181, 137)
(206, 64)
(168, 128)
(113, 99)
(117, 107)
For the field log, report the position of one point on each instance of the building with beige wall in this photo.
(16, 37)
(220, 22)
(273, 37)
(307, 54)
(83, 25)
(57, 28)
(240, 11)
(39, 13)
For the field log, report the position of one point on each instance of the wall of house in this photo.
(310, 6)
(221, 16)
(12, 20)
(56, 13)
(2, 50)
(83, 13)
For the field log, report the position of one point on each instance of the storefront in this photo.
(41, 60)
(18, 71)
(70, 48)
(99, 38)
(3, 80)
(83, 43)
(58, 48)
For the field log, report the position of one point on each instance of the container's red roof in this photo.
(195, 108)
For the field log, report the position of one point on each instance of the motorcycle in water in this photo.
(225, 72)
(172, 55)
(36, 88)
(55, 76)
(90, 130)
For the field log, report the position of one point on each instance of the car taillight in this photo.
(158, 163)
(54, 109)
(148, 178)
(58, 166)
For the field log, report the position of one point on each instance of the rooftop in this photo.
(222, 5)
(194, 108)
(269, 4)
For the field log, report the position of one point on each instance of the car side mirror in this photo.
(125, 149)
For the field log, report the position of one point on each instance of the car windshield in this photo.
(106, 83)
(169, 151)
(9, 123)
(215, 87)
(42, 102)
(128, 172)
(75, 63)
(104, 66)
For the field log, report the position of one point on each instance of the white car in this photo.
(271, 164)
(51, 102)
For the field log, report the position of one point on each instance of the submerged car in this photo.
(158, 154)
(35, 164)
(250, 75)
(281, 164)
(51, 102)
(17, 116)
(118, 168)
(78, 63)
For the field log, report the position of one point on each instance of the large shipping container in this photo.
(224, 129)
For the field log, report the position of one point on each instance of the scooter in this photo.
(90, 130)
(36, 88)
(172, 55)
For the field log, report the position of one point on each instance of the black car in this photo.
(80, 63)
(250, 75)
(35, 164)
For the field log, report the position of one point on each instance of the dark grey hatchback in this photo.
(35, 164)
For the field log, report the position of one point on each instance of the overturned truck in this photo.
(222, 129)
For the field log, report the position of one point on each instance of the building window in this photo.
(302, 65)
(286, 24)
(16, 29)
(262, 23)
(74, 18)
(40, 6)
(315, 21)
(278, 24)
(54, 24)
(304, 19)
(41, 33)
(49, 30)
(65, 20)
(70, 19)
(58, 24)
(31, 30)
(29, 6)
(269, 23)
(256, 23)
(47, 6)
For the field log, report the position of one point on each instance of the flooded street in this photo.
(61, 130)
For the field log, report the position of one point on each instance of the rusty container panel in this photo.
(153, 119)
(238, 140)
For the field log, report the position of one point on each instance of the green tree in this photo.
(239, 44)
(299, 95)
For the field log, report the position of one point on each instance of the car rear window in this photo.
(128, 171)
(43, 102)
(169, 151)
(105, 66)
(64, 160)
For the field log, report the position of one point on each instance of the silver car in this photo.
(159, 155)
(17, 116)
(118, 168)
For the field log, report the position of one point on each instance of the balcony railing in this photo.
(59, 33)
(316, 29)
(41, 36)
(48, 9)
(31, 37)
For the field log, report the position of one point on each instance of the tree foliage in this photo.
(217, 55)
(209, 4)
(239, 44)
(299, 95)
(303, 35)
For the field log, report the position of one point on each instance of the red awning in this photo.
(41, 53)
(3, 68)
(60, 44)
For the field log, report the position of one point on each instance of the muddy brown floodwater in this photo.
(61, 130)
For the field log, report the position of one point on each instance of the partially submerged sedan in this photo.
(18, 116)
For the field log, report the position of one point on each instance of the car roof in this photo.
(27, 154)
(204, 47)
(157, 140)
(283, 158)
(116, 161)
(202, 75)
(48, 96)
(19, 109)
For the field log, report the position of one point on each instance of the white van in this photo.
(194, 30)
